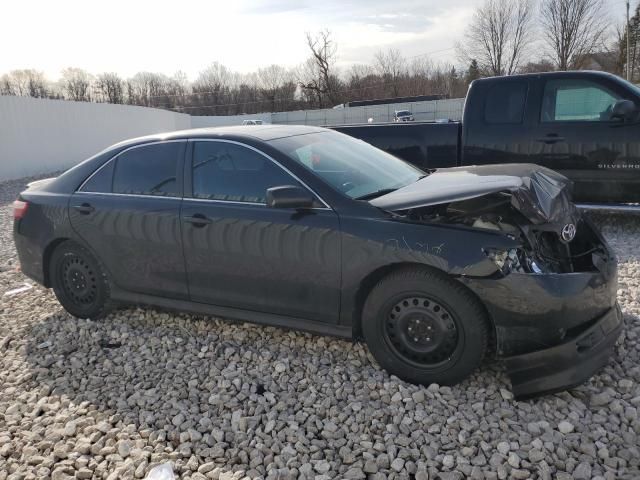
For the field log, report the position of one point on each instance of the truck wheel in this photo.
(424, 327)
(79, 282)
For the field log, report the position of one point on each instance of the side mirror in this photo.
(624, 110)
(289, 196)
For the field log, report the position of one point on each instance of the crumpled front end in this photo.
(551, 293)
(585, 351)
(545, 199)
(554, 308)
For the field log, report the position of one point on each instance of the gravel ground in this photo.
(219, 400)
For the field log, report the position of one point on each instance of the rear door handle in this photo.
(84, 209)
(550, 139)
(197, 220)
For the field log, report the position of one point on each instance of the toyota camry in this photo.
(307, 228)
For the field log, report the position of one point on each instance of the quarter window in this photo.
(505, 103)
(231, 172)
(148, 170)
(577, 101)
(100, 181)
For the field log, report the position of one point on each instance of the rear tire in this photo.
(79, 281)
(423, 327)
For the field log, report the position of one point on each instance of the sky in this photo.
(128, 36)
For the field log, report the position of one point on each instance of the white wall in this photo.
(422, 111)
(221, 121)
(40, 136)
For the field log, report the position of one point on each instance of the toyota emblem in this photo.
(568, 232)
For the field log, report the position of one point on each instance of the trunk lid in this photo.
(40, 184)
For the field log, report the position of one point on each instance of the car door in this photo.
(577, 136)
(127, 212)
(240, 253)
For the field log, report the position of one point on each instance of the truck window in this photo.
(505, 103)
(571, 100)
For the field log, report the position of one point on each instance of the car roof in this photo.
(556, 74)
(264, 132)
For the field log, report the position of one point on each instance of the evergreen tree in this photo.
(474, 71)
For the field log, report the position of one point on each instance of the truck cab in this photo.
(584, 125)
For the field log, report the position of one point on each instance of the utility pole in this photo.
(628, 46)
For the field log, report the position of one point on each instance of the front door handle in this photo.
(198, 220)
(550, 139)
(84, 209)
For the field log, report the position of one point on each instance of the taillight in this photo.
(19, 209)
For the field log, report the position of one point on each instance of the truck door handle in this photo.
(84, 209)
(198, 220)
(550, 139)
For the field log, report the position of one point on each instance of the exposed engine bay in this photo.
(544, 250)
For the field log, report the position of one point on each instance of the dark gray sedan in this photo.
(307, 228)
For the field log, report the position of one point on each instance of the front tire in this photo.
(79, 282)
(423, 327)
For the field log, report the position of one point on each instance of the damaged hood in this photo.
(541, 195)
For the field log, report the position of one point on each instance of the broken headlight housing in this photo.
(512, 260)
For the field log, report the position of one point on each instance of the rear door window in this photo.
(149, 170)
(505, 103)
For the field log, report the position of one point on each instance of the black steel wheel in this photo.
(79, 281)
(424, 327)
(422, 331)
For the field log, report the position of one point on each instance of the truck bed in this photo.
(424, 144)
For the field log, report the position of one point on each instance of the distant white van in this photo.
(252, 122)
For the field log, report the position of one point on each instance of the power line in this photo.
(431, 53)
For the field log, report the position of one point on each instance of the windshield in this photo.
(403, 113)
(351, 166)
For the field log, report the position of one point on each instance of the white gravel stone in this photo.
(565, 427)
(503, 447)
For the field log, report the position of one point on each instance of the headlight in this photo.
(512, 260)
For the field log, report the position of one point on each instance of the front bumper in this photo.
(568, 364)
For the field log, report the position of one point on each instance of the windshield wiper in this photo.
(377, 193)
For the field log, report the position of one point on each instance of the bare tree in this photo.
(76, 84)
(176, 88)
(391, 65)
(619, 46)
(270, 79)
(536, 66)
(213, 84)
(498, 36)
(618, 49)
(25, 83)
(178, 84)
(6, 88)
(573, 29)
(110, 88)
(148, 89)
(317, 76)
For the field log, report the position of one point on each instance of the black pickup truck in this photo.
(585, 125)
